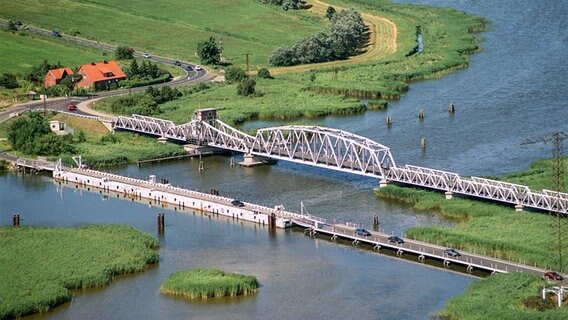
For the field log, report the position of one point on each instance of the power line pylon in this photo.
(557, 139)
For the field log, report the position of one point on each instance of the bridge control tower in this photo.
(208, 115)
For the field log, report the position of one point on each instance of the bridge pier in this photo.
(250, 160)
(519, 208)
(449, 195)
(383, 183)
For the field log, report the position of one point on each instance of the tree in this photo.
(283, 57)
(124, 53)
(234, 74)
(246, 87)
(208, 51)
(134, 70)
(264, 73)
(330, 12)
(8, 81)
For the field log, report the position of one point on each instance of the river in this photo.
(514, 89)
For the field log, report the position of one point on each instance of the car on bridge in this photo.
(395, 239)
(452, 252)
(362, 232)
(553, 275)
(237, 203)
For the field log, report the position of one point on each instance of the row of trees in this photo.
(344, 37)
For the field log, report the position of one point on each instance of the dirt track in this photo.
(382, 42)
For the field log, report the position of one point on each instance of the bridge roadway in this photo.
(182, 199)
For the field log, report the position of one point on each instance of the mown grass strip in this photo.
(39, 266)
(208, 283)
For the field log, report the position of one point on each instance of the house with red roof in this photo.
(54, 76)
(103, 75)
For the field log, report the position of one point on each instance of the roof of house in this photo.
(59, 72)
(100, 71)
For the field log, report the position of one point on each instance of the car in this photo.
(55, 34)
(147, 56)
(395, 239)
(362, 232)
(553, 275)
(198, 67)
(177, 63)
(188, 68)
(71, 107)
(237, 203)
(452, 252)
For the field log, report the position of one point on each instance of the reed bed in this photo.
(513, 296)
(208, 283)
(39, 266)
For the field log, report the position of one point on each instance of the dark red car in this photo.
(553, 275)
(71, 107)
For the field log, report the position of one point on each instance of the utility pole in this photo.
(557, 139)
(247, 62)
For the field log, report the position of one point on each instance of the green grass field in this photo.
(174, 27)
(21, 52)
(38, 266)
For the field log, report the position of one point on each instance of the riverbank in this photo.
(39, 266)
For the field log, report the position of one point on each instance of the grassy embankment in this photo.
(495, 230)
(208, 283)
(39, 266)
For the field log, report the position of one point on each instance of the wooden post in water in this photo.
(389, 121)
(16, 220)
(421, 114)
(451, 108)
(423, 143)
(160, 222)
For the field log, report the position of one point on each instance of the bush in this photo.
(234, 74)
(246, 87)
(264, 73)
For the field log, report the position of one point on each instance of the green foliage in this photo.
(208, 52)
(8, 80)
(30, 134)
(341, 41)
(330, 12)
(123, 53)
(145, 103)
(511, 296)
(234, 74)
(4, 166)
(208, 283)
(37, 72)
(263, 73)
(38, 266)
(246, 87)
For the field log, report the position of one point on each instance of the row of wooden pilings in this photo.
(451, 109)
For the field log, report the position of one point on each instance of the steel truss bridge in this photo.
(342, 151)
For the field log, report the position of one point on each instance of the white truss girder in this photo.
(480, 188)
(324, 147)
(342, 151)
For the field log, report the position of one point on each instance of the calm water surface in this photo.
(514, 89)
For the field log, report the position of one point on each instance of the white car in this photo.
(147, 55)
(198, 67)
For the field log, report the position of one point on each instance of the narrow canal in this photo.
(514, 89)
